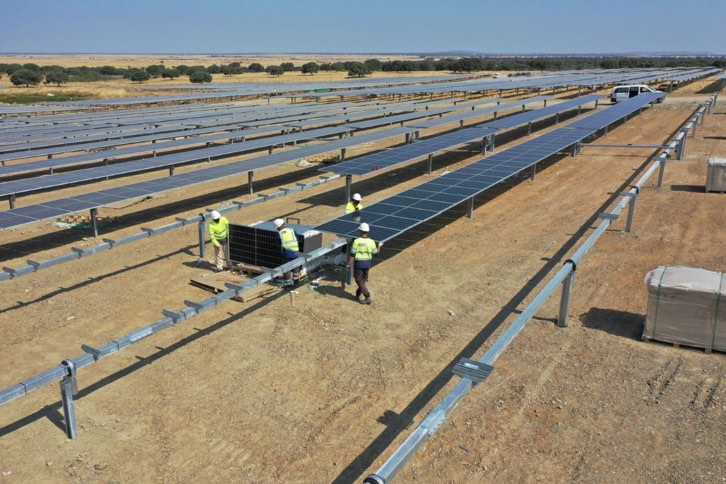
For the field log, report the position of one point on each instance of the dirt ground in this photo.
(325, 390)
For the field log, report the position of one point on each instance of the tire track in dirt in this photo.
(705, 394)
(663, 378)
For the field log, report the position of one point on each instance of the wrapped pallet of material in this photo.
(686, 306)
(716, 177)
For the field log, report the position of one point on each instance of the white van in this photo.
(621, 93)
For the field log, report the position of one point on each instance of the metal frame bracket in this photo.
(473, 370)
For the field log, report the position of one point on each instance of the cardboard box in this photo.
(716, 177)
(686, 306)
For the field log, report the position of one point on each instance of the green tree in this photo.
(275, 70)
(310, 68)
(337, 66)
(31, 67)
(373, 65)
(155, 70)
(108, 71)
(140, 76)
(288, 66)
(56, 77)
(256, 67)
(25, 77)
(200, 77)
(170, 74)
(357, 69)
(183, 69)
(214, 69)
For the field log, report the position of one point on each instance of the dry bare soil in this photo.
(325, 390)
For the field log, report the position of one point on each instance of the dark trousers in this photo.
(361, 277)
(293, 275)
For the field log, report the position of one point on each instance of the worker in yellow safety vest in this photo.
(354, 206)
(361, 259)
(219, 233)
(290, 251)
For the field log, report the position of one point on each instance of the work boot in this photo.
(358, 294)
(367, 300)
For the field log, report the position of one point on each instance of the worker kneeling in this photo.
(290, 251)
(361, 259)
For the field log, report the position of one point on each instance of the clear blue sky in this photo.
(363, 26)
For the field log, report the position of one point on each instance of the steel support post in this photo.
(703, 115)
(574, 150)
(493, 143)
(348, 179)
(202, 238)
(579, 110)
(529, 128)
(545, 103)
(342, 154)
(11, 201)
(348, 279)
(566, 294)
(430, 163)
(171, 170)
(681, 149)
(250, 186)
(557, 118)
(534, 171)
(470, 208)
(695, 125)
(69, 388)
(661, 172)
(631, 209)
(605, 135)
(94, 221)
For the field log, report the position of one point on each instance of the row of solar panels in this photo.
(395, 215)
(20, 187)
(42, 211)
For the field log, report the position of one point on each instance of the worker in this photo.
(361, 259)
(354, 206)
(219, 232)
(290, 251)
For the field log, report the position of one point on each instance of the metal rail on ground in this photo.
(565, 276)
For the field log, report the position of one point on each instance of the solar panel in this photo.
(401, 154)
(11, 218)
(617, 112)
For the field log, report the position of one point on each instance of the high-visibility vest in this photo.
(364, 248)
(289, 239)
(218, 229)
(350, 207)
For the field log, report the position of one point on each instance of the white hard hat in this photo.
(364, 227)
(357, 197)
(215, 214)
(279, 222)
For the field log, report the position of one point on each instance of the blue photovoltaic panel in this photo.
(11, 218)
(616, 112)
(401, 154)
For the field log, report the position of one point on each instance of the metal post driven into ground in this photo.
(348, 180)
(250, 177)
(342, 154)
(202, 238)
(69, 388)
(470, 208)
(431, 162)
(534, 171)
(631, 208)
(661, 172)
(94, 221)
(566, 294)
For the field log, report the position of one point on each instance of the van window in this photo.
(634, 91)
(644, 89)
(621, 90)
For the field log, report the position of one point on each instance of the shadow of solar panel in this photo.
(432, 205)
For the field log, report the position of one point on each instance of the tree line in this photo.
(31, 74)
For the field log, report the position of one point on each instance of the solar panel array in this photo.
(401, 154)
(412, 207)
(56, 208)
